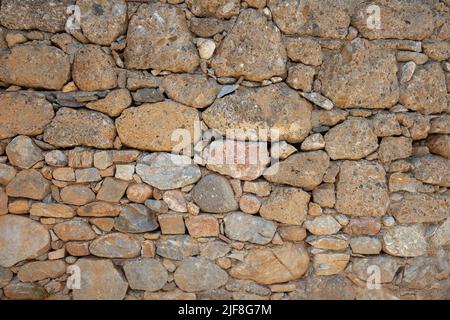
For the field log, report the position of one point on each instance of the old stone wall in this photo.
(115, 117)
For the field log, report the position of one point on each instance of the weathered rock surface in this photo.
(136, 218)
(244, 227)
(405, 241)
(214, 8)
(74, 230)
(115, 245)
(16, 243)
(214, 194)
(328, 264)
(52, 210)
(40, 270)
(145, 274)
(323, 225)
(177, 247)
(431, 169)
(28, 184)
(22, 152)
(113, 104)
(439, 144)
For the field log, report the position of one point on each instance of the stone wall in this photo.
(348, 196)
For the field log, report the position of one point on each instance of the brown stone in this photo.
(115, 245)
(99, 209)
(77, 195)
(292, 233)
(7, 173)
(301, 77)
(51, 210)
(437, 50)
(253, 49)
(3, 202)
(323, 225)
(22, 152)
(439, 144)
(104, 224)
(304, 50)
(25, 113)
(74, 230)
(40, 270)
(201, 226)
(362, 226)
(77, 249)
(28, 184)
(19, 206)
(171, 223)
(80, 158)
(112, 190)
(214, 8)
(329, 264)
(431, 169)
(250, 204)
(158, 38)
(394, 148)
(113, 104)
(405, 241)
(324, 195)
(385, 124)
(139, 192)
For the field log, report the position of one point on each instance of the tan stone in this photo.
(362, 226)
(394, 148)
(171, 223)
(385, 124)
(175, 200)
(112, 190)
(328, 242)
(405, 241)
(19, 206)
(64, 174)
(40, 270)
(3, 202)
(28, 184)
(139, 192)
(260, 188)
(329, 264)
(201, 226)
(292, 233)
(99, 209)
(7, 173)
(115, 245)
(51, 210)
(301, 77)
(77, 249)
(304, 50)
(323, 225)
(214, 8)
(74, 230)
(113, 104)
(80, 158)
(324, 195)
(249, 204)
(439, 144)
(431, 169)
(77, 195)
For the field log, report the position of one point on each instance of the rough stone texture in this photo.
(214, 8)
(23, 113)
(177, 247)
(253, 49)
(28, 184)
(432, 169)
(361, 189)
(74, 230)
(136, 218)
(113, 104)
(244, 227)
(394, 148)
(77, 195)
(344, 76)
(328, 264)
(214, 194)
(35, 66)
(23, 153)
(115, 245)
(51, 210)
(405, 241)
(439, 144)
(40, 270)
(158, 38)
(72, 127)
(145, 274)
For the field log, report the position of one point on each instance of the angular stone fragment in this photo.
(323, 225)
(273, 265)
(73, 127)
(329, 264)
(51, 210)
(238, 159)
(103, 21)
(304, 50)
(405, 241)
(115, 245)
(365, 245)
(344, 76)
(385, 124)
(303, 169)
(244, 227)
(442, 235)
(112, 190)
(328, 242)
(214, 8)
(253, 49)
(177, 247)
(15, 240)
(213, 193)
(431, 169)
(301, 77)
(28, 184)
(136, 126)
(286, 205)
(353, 139)
(201, 226)
(437, 50)
(100, 280)
(394, 148)
(194, 90)
(175, 200)
(363, 226)
(158, 38)
(25, 113)
(47, 15)
(87, 175)
(199, 274)
(439, 144)
(56, 158)
(421, 208)
(167, 171)
(427, 90)
(35, 66)
(249, 112)
(400, 19)
(93, 69)
(208, 27)
(40, 270)
(22, 152)
(361, 189)
(99, 209)
(74, 230)
(136, 218)
(145, 274)
(327, 19)
(113, 104)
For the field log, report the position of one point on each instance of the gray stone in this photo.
(213, 194)
(177, 247)
(247, 228)
(145, 274)
(405, 241)
(136, 218)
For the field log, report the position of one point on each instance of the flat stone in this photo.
(442, 235)
(23, 153)
(353, 139)
(56, 158)
(387, 265)
(313, 167)
(47, 15)
(145, 274)
(427, 90)
(202, 226)
(247, 228)
(171, 223)
(158, 38)
(93, 69)
(99, 209)
(342, 72)
(260, 54)
(112, 190)
(77, 195)
(322, 117)
(139, 192)
(250, 204)
(363, 226)
(35, 66)
(286, 205)
(113, 104)
(103, 21)
(74, 230)
(136, 126)
(385, 124)
(167, 171)
(208, 27)
(361, 189)
(28, 184)
(148, 95)
(17, 290)
(253, 113)
(292, 233)
(40, 270)
(238, 159)
(260, 188)
(323, 225)
(136, 218)
(327, 19)
(313, 142)
(51, 210)
(365, 245)
(80, 157)
(394, 148)
(16, 243)
(25, 113)
(439, 144)
(115, 245)
(328, 264)
(328, 242)
(171, 295)
(431, 169)
(273, 265)
(213, 194)
(199, 274)
(80, 128)
(405, 241)
(177, 247)
(437, 50)
(100, 280)
(7, 173)
(194, 90)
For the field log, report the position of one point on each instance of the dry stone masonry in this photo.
(127, 130)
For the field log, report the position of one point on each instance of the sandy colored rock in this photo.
(113, 104)
(253, 49)
(77, 195)
(365, 245)
(22, 152)
(194, 90)
(74, 230)
(439, 144)
(171, 223)
(139, 192)
(158, 38)
(361, 189)
(328, 242)
(145, 274)
(16, 243)
(51, 210)
(73, 127)
(115, 245)
(304, 50)
(292, 233)
(394, 148)
(323, 225)
(136, 127)
(362, 226)
(93, 69)
(40, 270)
(250, 204)
(28, 184)
(7, 173)
(99, 209)
(344, 75)
(427, 91)
(273, 265)
(103, 21)
(25, 113)
(201, 226)
(214, 8)
(431, 169)
(405, 241)
(353, 139)
(112, 190)
(35, 66)
(286, 205)
(175, 200)
(301, 77)
(328, 264)
(3, 202)
(100, 280)
(385, 124)
(247, 228)
(313, 166)
(213, 194)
